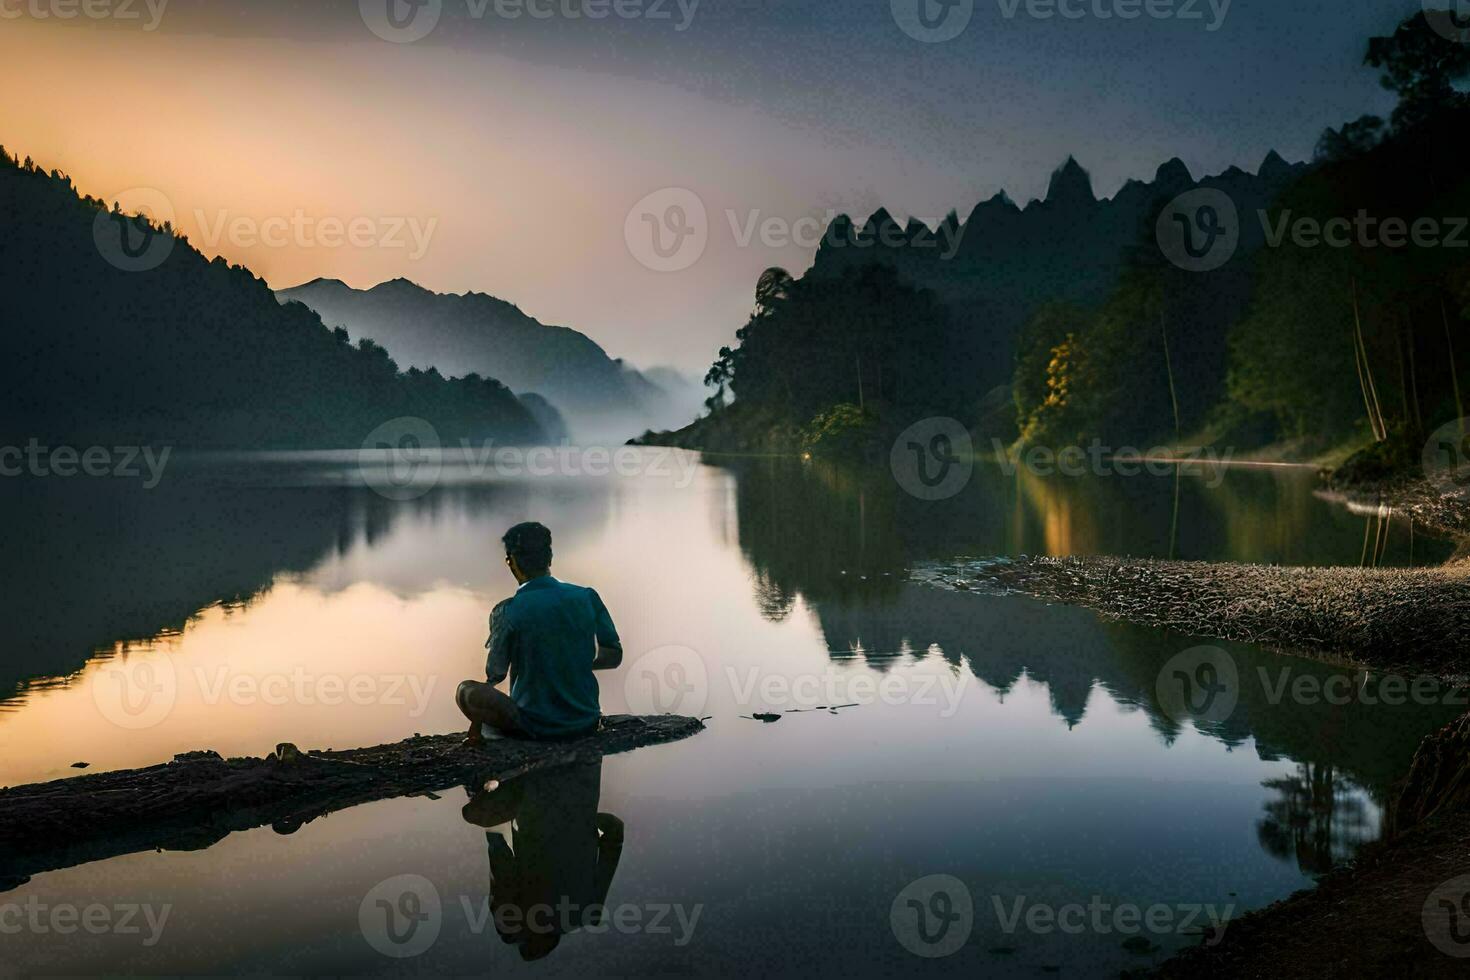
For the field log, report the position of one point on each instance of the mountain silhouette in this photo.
(119, 332)
(995, 269)
(601, 397)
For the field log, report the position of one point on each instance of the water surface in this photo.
(1019, 748)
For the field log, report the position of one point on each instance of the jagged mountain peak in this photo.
(1070, 184)
(1173, 173)
(401, 286)
(322, 282)
(879, 219)
(1273, 166)
(1000, 201)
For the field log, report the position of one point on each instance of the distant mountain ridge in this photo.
(188, 352)
(601, 397)
(1069, 247)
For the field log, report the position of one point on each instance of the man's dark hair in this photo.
(530, 545)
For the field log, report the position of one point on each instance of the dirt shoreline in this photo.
(1397, 909)
(1411, 621)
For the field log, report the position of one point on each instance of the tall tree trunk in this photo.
(1169, 366)
(1363, 387)
(1375, 410)
(1398, 336)
(1454, 372)
(1414, 379)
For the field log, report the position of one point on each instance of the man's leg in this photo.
(481, 703)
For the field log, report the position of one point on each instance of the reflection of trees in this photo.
(89, 563)
(815, 531)
(803, 525)
(95, 562)
(818, 530)
(842, 539)
(1317, 818)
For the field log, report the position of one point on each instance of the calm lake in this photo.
(1019, 749)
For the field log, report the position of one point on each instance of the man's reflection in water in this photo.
(553, 876)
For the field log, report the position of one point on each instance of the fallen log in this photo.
(200, 798)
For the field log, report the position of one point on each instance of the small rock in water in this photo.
(80, 765)
(766, 716)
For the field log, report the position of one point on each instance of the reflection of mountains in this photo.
(841, 542)
(91, 563)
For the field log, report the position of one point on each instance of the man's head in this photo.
(528, 550)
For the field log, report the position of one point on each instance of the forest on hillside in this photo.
(1354, 333)
(119, 332)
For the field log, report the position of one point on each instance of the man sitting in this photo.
(549, 637)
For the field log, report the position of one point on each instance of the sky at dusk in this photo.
(503, 152)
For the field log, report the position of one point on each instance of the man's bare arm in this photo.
(609, 644)
(608, 657)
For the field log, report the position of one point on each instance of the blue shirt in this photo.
(545, 637)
